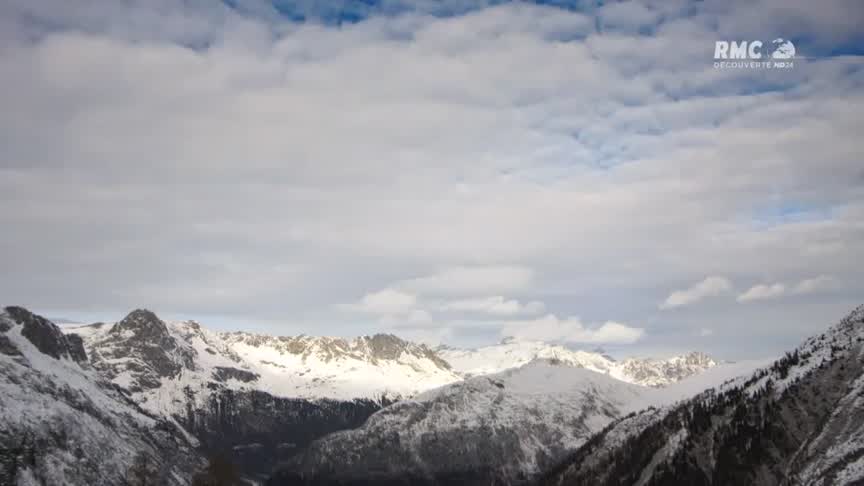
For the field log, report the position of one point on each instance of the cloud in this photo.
(710, 287)
(472, 280)
(777, 290)
(586, 153)
(706, 332)
(496, 306)
(429, 336)
(762, 292)
(814, 285)
(571, 330)
(385, 302)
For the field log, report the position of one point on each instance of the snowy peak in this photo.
(42, 333)
(390, 347)
(662, 372)
(144, 325)
(138, 352)
(512, 353)
(500, 428)
(61, 424)
(162, 362)
(374, 349)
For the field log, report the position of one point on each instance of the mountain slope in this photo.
(799, 421)
(511, 354)
(502, 428)
(261, 397)
(60, 424)
(506, 425)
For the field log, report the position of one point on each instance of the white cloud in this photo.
(426, 335)
(706, 332)
(710, 287)
(460, 280)
(497, 306)
(777, 290)
(516, 136)
(813, 285)
(551, 328)
(763, 292)
(385, 302)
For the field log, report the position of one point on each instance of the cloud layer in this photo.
(777, 290)
(710, 287)
(571, 330)
(401, 158)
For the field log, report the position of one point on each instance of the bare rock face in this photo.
(223, 373)
(389, 347)
(651, 372)
(141, 346)
(60, 423)
(47, 337)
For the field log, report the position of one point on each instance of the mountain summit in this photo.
(511, 353)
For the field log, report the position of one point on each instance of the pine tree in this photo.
(142, 472)
(219, 472)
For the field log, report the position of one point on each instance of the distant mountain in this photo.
(798, 421)
(60, 423)
(511, 354)
(507, 425)
(502, 428)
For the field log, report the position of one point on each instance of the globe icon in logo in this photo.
(783, 49)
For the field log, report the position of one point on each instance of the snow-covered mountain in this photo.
(160, 363)
(60, 423)
(506, 425)
(511, 354)
(797, 421)
(502, 428)
(268, 397)
(262, 396)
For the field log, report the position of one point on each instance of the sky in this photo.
(451, 172)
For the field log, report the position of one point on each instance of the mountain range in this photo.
(381, 410)
(510, 353)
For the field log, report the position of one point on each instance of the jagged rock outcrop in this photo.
(511, 353)
(46, 336)
(799, 421)
(662, 372)
(60, 423)
(139, 352)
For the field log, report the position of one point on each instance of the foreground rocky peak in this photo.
(45, 335)
(138, 352)
(61, 423)
(798, 421)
